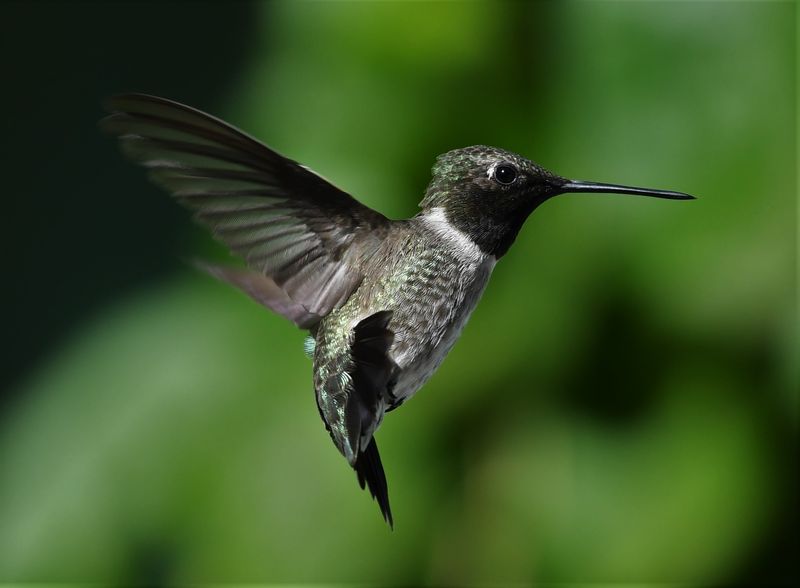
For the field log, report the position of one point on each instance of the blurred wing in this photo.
(289, 224)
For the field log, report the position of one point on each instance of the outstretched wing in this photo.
(352, 387)
(299, 232)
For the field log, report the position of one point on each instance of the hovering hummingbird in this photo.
(383, 300)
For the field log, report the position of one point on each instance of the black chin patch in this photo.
(493, 231)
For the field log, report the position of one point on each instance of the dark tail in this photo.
(370, 471)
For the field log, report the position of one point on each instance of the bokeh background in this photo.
(622, 406)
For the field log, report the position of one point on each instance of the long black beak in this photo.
(579, 186)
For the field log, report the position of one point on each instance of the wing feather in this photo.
(289, 224)
(352, 388)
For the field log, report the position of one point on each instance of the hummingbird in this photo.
(383, 300)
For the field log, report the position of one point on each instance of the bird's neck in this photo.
(457, 240)
(484, 233)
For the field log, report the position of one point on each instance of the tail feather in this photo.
(369, 470)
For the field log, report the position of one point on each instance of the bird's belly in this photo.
(426, 330)
(421, 367)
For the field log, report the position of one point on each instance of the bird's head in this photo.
(487, 193)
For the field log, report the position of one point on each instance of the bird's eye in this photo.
(505, 174)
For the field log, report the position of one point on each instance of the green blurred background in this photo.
(622, 406)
